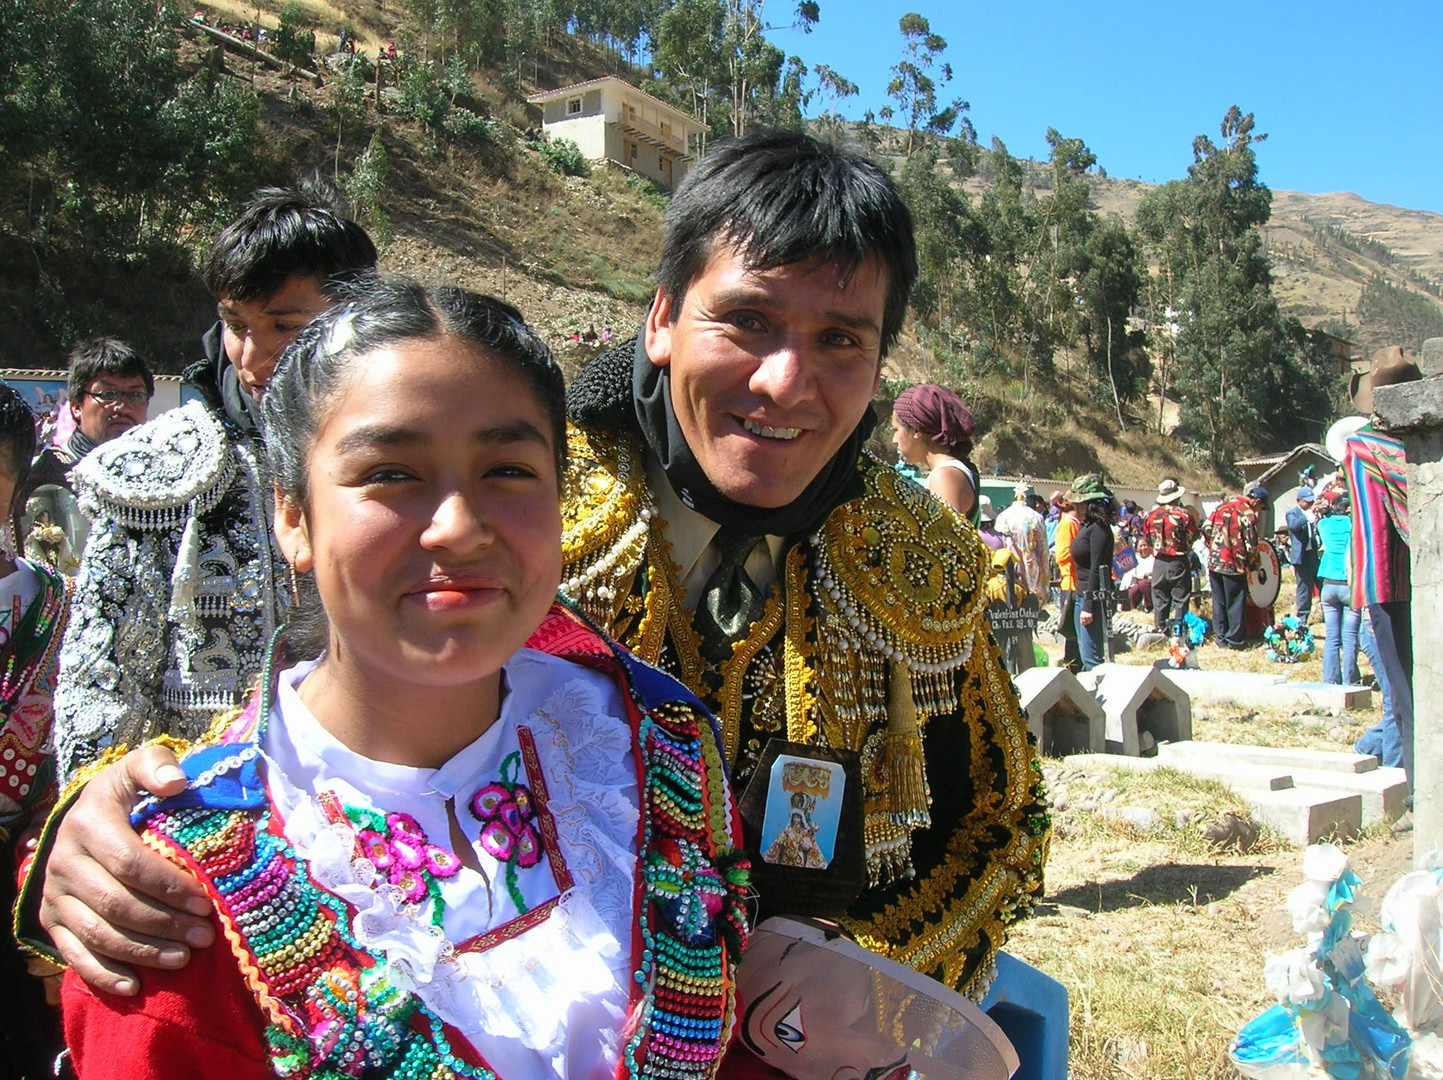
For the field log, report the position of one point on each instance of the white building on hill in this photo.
(611, 120)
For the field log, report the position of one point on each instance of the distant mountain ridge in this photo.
(1321, 279)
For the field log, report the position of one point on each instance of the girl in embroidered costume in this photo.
(34, 606)
(468, 836)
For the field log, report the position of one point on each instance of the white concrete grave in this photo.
(1381, 790)
(1292, 803)
(1306, 815)
(1256, 688)
(1063, 717)
(1142, 706)
(1341, 761)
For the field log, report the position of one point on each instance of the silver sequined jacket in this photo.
(175, 600)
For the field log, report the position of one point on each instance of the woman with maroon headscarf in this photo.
(931, 426)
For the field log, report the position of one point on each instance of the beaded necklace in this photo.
(32, 639)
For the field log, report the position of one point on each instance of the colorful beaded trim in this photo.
(332, 1012)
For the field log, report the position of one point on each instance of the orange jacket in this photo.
(1067, 527)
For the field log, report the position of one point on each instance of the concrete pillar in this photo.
(1413, 412)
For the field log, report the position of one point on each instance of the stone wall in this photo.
(1414, 412)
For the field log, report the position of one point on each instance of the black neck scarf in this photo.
(79, 444)
(838, 482)
(243, 410)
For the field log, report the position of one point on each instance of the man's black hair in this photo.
(101, 356)
(17, 436)
(287, 232)
(781, 198)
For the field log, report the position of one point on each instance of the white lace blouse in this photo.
(545, 997)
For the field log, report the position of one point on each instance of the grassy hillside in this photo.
(575, 253)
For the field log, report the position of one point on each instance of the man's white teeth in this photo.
(771, 432)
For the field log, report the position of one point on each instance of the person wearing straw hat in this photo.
(1171, 529)
(987, 524)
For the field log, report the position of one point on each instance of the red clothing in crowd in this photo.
(1170, 529)
(1233, 538)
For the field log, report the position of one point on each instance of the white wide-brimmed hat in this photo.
(1169, 491)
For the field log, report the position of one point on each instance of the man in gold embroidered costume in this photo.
(723, 520)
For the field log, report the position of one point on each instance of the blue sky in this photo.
(1350, 94)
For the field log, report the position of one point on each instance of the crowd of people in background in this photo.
(1102, 555)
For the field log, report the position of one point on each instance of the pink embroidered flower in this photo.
(407, 858)
(522, 798)
(411, 883)
(441, 862)
(405, 823)
(506, 810)
(409, 851)
(510, 815)
(375, 848)
(485, 801)
(528, 847)
(498, 841)
(507, 833)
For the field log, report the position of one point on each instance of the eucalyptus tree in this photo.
(913, 86)
(1230, 343)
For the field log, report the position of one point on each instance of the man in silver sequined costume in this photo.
(177, 594)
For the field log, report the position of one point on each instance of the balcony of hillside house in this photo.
(654, 134)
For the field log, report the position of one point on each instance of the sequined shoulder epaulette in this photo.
(156, 475)
(907, 574)
(605, 510)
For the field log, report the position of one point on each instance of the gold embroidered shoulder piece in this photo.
(876, 631)
(901, 594)
(605, 511)
(908, 573)
(900, 591)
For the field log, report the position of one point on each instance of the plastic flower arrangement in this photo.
(1289, 640)
(1328, 1021)
(1192, 632)
(1407, 959)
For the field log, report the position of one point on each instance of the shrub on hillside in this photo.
(474, 130)
(422, 96)
(295, 40)
(564, 156)
(366, 189)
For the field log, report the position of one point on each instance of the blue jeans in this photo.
(1340, 640)
(1091, 639)
(1398, 699)
(1383, 739)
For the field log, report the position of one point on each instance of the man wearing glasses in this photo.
(109, 392)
